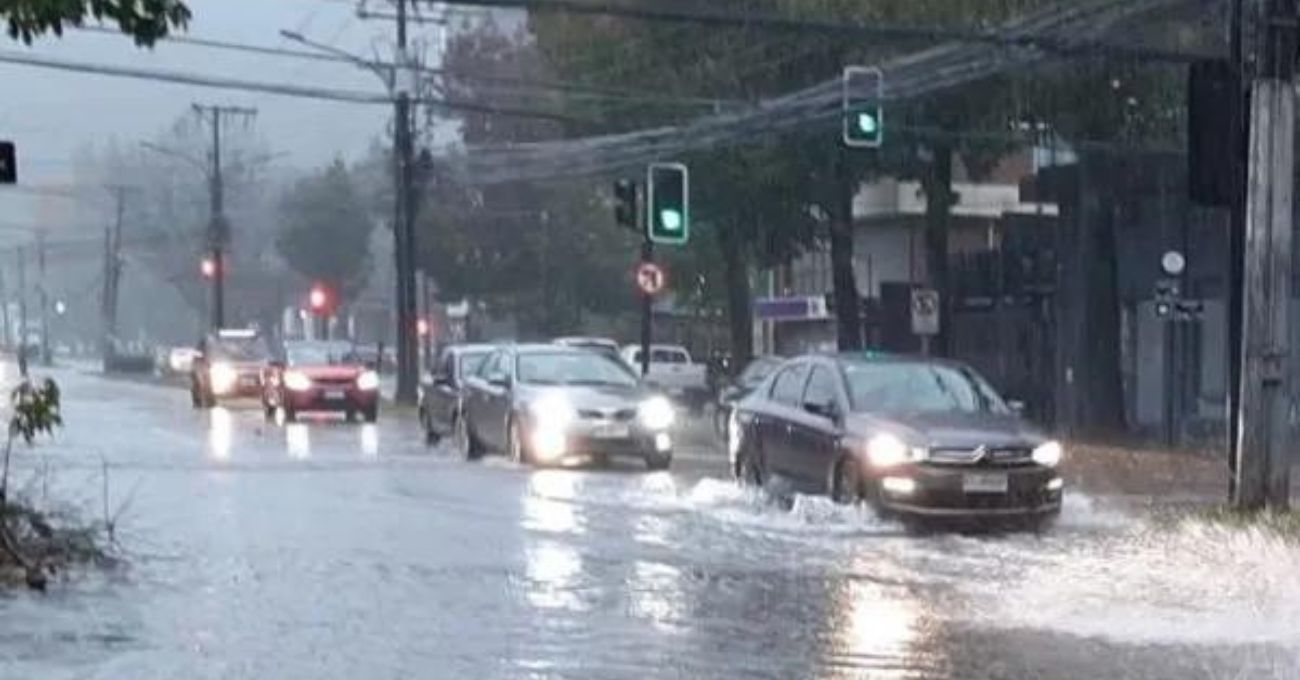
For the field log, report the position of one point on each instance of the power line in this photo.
(285, 89)
(774, 22)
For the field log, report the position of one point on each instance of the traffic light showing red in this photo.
(208, 267)
(321, 299)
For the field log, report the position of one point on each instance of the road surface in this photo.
(327, 550)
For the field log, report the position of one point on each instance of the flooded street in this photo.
(326, 550)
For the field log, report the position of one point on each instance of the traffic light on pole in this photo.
(864, 115)
(320, 299)
(668, 219)
(625, 203)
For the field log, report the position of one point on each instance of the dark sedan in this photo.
(739, 388)
(440, 389)
(551, 405)
(912, 437)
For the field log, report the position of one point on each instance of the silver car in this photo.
(556, 405)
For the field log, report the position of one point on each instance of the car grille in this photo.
(616, 415)
(981, 456)
(333, 382)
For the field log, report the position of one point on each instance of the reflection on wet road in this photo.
(323, 550)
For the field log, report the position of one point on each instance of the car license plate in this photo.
(984, 483)
(335, 394)
(611, 432)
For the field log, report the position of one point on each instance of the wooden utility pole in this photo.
(112, 273)
(218, 225)
(404, 244)
(1263, 460)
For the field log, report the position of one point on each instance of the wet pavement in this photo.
(326, 550)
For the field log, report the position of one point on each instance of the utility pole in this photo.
(4, 310)
(44, 298)
(218, 225)
(404, 245)
(1263, 460)
(112, 271)
(22, 310)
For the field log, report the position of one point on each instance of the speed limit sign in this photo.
(650, 278)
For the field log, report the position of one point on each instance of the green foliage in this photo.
(36, 410)
(325, 229)
(144, 20)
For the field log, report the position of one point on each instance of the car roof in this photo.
(472, 347)
(878, 357)
(546, 348)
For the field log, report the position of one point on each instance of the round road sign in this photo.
(1173, 263)
(650, 278)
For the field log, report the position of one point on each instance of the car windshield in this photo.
(919, 387)
(313, 354)
(757, 371)
(239, 349)
(572, 368)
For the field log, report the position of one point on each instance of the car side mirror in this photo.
(826, 410)
(1017, 407)
(499, 380)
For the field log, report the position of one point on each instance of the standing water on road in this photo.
(333, 551)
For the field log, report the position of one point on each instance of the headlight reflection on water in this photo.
(876, 626)
(297, 439)
(550, 504)
(220, 432)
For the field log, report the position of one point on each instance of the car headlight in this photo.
(656, 413)
(297, 381)
(553, 411)
(1048, 453)
(368, 380)
(224, 376)
(887, 450)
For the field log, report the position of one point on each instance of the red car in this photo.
(322, 377)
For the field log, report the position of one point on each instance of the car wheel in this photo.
(290, 415)
(370, 414)
(749, 469)
(195, 400)
(847, 484)
(517, 450)
(350, 416)
(465, 443)
(268, 411)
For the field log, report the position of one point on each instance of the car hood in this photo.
(950, 430)
(591, 397)
(329, 372)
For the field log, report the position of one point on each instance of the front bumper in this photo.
(941, 492)
(246, 386)
(586, 441)
(321, 398)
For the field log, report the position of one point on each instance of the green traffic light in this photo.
(868, 124)
(670, 219)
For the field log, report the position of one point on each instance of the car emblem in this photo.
(980, 452)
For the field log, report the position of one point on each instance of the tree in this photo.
(144, 20)
(325, 232)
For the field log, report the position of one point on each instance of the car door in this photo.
(495, 389)
(444, 393)
(780, 418)
(474, 396)
(815, 435)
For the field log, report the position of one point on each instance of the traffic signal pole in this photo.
(647, 308)
(218, 227)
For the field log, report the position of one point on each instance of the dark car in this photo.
(550, 405)
(229, 364)
(440, 389)
(739, 388)
(321, 377)
(912, 437)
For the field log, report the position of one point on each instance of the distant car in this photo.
(600, 345)
(739, 388)
(321, 377)
(549, 405)
(673, 371)
(440, 389)
(916, 438)
(228, 364)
